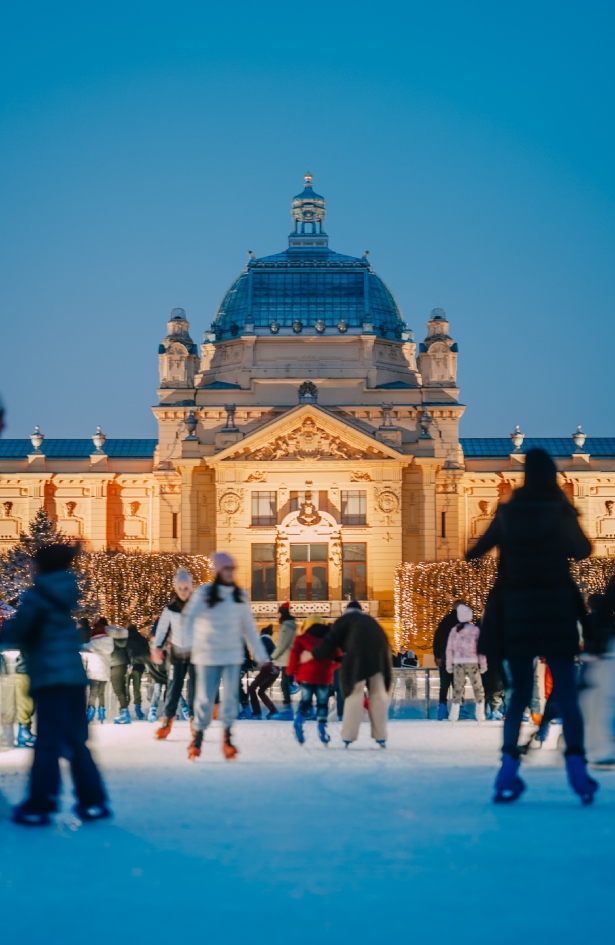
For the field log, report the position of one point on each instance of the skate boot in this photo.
(323, 734)
(580, 781)
(245, 713)
(496, 716)
(347, 744)
(454, 713)
(165, 727)
(286, 715)
(508, 784)
(298, 726)
(442, 712)
(22, 814)
(185, 713)
(229, 750)
(257, 716)
(382, 742)
(101, 714)
(94, 812)
(480, 711)
(139, 715)
(152, 715)
(123, 718)
(194, 748)
(91, 713)
(25, 738)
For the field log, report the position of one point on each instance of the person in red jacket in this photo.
(314, 677)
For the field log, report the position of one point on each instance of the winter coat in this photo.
(317, 672)
(170, 630)
(286, 638)
(46, 633)
(535, 604)
(440, 637)
(119, 657)
(267, 641)
(98, 657)
(365, 647)
(462, 647)
(217, 635)
(137, 648)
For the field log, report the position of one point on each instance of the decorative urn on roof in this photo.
(99, 441)
(36, 439)
(517, 438)
(579, 439)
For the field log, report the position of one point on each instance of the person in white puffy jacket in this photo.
(218, 622)
(98, 667)
(171, 636)
(463, 659)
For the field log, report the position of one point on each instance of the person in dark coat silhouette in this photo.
(440, 640)
(538, 609)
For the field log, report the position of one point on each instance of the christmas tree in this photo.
(15, 574)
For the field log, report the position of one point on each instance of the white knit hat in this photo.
(182, 577)
(464, 613)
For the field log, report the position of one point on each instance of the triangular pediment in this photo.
(307, 433)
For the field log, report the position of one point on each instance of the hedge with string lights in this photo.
(424, 592)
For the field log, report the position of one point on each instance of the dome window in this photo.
(234, 329)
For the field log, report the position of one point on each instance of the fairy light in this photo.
(424, 592)
(133, 588)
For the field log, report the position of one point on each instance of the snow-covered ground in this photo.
(313, 844)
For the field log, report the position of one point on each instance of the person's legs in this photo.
(266, 679)
(285, 684)
(86, 777)
(305, 702)
(378, 706)
(339, 698)
(322, 702)
(522, 679)
(446, 680)
(118, 681)
(45, 772)
(8, 699)
(476, 681)
(353, 712)
(459, 682)
(102, 689)
(190, 690)
(565, 696)
(135, 678)
(156, 693)
(230, 694)
(92, 693)
(174, 690)
(207, 680)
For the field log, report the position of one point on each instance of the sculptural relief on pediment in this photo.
(310, 441)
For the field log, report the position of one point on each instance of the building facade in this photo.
(307, 434)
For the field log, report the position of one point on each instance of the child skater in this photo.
(315, 678)
(463, 659)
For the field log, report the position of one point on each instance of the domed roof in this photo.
(308, 288)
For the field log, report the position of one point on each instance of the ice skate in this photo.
(480, 711)
(25, 738)
(229, 750)
(323, 733)
(23, 815)
(580, 781)
(152, 715)
(165, 728)
(101, 714)
(139, 714)
(454, 713)
(93, 812)
(508, 784)
(381, 742)
(442, 712)
(194, 749)
(91, 713)
(123, 718)
(298, 726)
(245, 713)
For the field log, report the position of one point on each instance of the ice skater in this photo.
(463, 660)
(314, 676)
(172, 636)
(218, 622)
(44, 629)
(98, 663)
(536, 613)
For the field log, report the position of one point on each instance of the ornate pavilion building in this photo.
(306, 435)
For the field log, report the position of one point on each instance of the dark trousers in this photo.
(564, 693)
(134, 677)
(308, 691)
(494, 688)
(180, 668)
(285, 682)
(339, 698)
(97, 692)
(62, 731)
(261, 682)
(446, 681)
(118, 681)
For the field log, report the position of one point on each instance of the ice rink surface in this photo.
(313, 844)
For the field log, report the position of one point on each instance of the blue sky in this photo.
(146, 147)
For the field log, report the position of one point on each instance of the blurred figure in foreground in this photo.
(535, 611)
(597, 693)
(366, 662)
(218, 622)
(45, 631)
